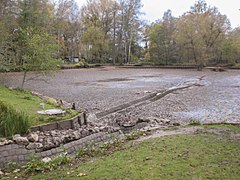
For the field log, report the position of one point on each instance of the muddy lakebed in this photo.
(214, 97)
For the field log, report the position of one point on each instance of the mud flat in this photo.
(215, 99)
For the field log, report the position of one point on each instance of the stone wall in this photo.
(74, 123)
(19, 154)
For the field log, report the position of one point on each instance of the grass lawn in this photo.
(25, 101)
(198, 156)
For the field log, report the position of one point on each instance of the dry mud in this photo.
(215, 99)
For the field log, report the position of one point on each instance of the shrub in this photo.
(82, 63)
(37, 165)
(12, 121)
(52, 101)
(85, 64)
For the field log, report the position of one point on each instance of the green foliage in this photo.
(95, 44)
(100, 149)
(82, 63)
(230, 51)
(51, 101)
(79, 64)
(11, 121)
(134, 135)
(39, 51)
(37, 165)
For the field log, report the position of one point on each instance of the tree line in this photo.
(201, 36)
(37, 34)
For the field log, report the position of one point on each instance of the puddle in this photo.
(116, 80)
(85, 84)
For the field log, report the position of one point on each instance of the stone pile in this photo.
(43, 141)
(123, 120)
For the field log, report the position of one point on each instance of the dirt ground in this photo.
(216, 99)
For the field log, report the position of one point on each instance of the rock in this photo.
(96, 129)
(92, 118)
(76, 135)
(34, 146)
(16, 170)
(104, 129)
(130, 124)
(176, 124)
(5, 142)
(84, 133)
(1, 173)
(115, 129)
(140, 120)
(53, 133)
(48, 145)
(20, 140)
(33, 137)
(146, 92)
(46, 159)
(91, 131)
(58, 140)
(165, 121)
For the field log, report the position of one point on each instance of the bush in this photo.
(52, 101)
(37, 165)
(82, 63)
(12, 121)
(145, 63)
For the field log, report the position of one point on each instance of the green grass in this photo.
(200, 156)
(28, 103)
(12, 121)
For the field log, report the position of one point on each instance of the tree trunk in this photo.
(24, 79)
(129, 49)
(114, 37)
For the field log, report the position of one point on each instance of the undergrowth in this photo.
(12, 121)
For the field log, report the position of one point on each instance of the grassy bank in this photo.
(30, 104)
(198, 156)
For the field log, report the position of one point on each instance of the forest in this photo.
(41, 34)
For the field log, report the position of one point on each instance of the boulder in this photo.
(46, 159)
(48, 145)
(5, 142)
(165, 121)
(34, 146)
(20, 140)
(76, 135)
(33, 137)
(58, 140)
(92, 118)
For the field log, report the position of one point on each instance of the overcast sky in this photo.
(154, 9)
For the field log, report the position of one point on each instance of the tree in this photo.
(67, 28)
(28, 44)
(229, 50)
(162, 45)
(94, 44)
(130, 27)
(38, 53)
(199, 32)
